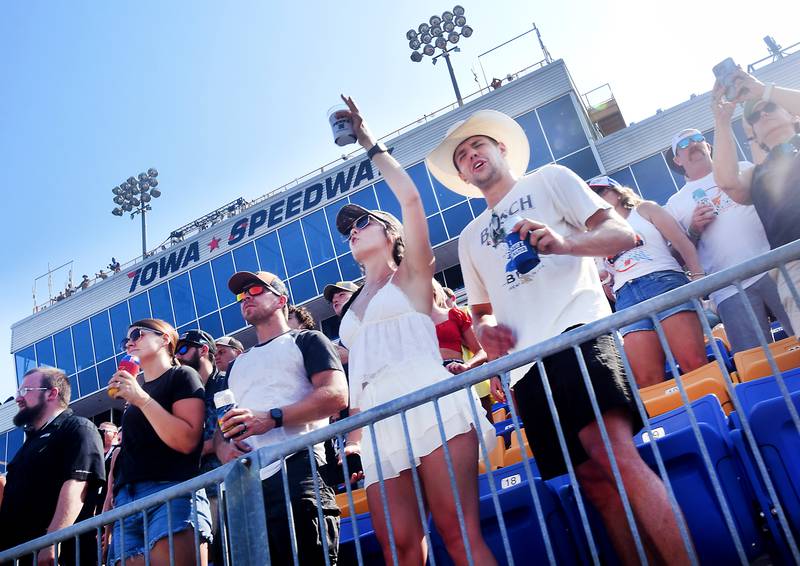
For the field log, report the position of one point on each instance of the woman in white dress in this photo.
(393, 351)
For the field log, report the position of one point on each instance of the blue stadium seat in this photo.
(522, 526)
(506, 477)
(778, 333)
(370, 547)
(707, 409)
(750, 393)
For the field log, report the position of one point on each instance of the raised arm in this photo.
(726, 162)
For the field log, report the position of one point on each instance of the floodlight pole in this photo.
(446, 55)
(144, 232)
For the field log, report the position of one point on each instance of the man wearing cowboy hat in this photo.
(486, 156)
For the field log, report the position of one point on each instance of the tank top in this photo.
(775, 191)
(391, 334)
(450, 332)
(650, 254)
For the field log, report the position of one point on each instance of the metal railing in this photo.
(243, 527)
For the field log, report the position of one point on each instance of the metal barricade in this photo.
(242, 517)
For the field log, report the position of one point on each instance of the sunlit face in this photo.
(224, 356)
(480, 161)
(144, 342)
(695, 159)
(608, 195)
(369, 239)
(259, 308)
(339, 300)
(31, 400)
(190, 355)
(771, 123)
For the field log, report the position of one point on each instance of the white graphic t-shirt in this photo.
(561, 291)
(734, 236)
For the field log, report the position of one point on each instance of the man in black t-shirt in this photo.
(288, 384)
(53, 480)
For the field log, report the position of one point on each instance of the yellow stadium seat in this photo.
(495, 456)
(359, 500)
(665, 396)
(719, 332)
(512, 455)
(753, 364)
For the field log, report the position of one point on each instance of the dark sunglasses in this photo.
(768, 108)
(684, 143)
(135, 334)
(252, 291)
(360, 223)
(184, 348)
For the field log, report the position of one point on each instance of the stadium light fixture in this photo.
(134, 196)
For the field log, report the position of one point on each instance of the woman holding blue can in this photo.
(646, 271)
(163, 424)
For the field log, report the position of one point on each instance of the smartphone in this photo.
(725, 71)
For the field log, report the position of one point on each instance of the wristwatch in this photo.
(379, 147)
(277, 416)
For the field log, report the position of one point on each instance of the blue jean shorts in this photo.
(646, 287)
(157, 523)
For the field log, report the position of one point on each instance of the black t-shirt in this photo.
(67, 448)
(775, 191)
(216, 382)
(143, 455)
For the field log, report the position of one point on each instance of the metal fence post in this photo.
(247, 520)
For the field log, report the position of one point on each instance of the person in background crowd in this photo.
(110, 435)
(393, 351)
(228, 349)
(85, 282)
(161, 447)
(114, 265)
(54, 478)
(288, 384)
(338, 295)
(646, 271)
(726, 234)
(773, 186)
(451, 298)
(197, 350)
(300, 318)
(101, 275)
(486, 156)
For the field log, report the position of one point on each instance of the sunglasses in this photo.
(768, 108)
(360, 223)
(252, 291)
(184, 348)
(696, 138)
(135, 334)
(22, 391)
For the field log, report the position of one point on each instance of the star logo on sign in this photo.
(213, 244)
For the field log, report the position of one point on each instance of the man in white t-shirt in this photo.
(725, 233)
(515, 305)
(288, 384)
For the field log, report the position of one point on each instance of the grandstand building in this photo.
(292, 234)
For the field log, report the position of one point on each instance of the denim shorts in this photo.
(157, 525)
(646, 287)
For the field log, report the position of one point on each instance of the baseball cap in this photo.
(197, 337)
(230, 342)
(242, 279)
(333, 288)
(349, 213)
(603, 181)
(680, 135)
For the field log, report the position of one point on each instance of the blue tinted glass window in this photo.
(457, 219)
(269, 254)
(244, 258)
(222, 267)
(3, 439)
(15, 439)
(292, 241)
(161, 304)
(445, 196)
(349, 268)
(120, 320)
(104, 371)
(65, 358)
(419, 174)
(624, 177)
(74, 392)
(139, 306)
(654, 179)
(45, 356)
(87, 381)
(182, 302)
(582, 163)
(203, 287)
(339, 243)
(315, 227)
(562, 126)
(25, 360)
(540, 154)
(101, 334)
(436, 230)
(232, 319)
(365, 198)
(386, 199)
(82, 341)
(325, 274)
(303, 288)
(741, 137)
(478, 205)
(212, 324)
(678, 177)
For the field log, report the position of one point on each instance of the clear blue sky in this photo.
(229, 99)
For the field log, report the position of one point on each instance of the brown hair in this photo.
(54, 378)
(303, 316)
(165, 328)
(627, 197)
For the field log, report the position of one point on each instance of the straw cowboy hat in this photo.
(491, 123)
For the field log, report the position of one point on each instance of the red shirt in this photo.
(450, 332)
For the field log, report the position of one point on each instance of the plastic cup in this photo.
(131, 365)
(224, 401)
(341, 125)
